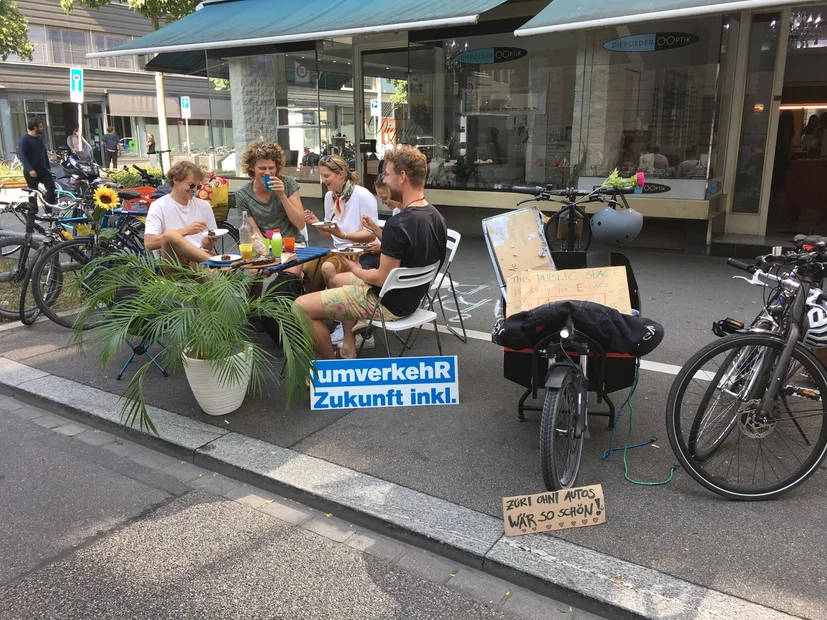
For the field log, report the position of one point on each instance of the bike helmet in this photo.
(616, 226)
(816, 335)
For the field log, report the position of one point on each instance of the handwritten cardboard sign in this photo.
(554, 510)
(535, 287)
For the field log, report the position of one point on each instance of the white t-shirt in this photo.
(361, 202)
(168, 214)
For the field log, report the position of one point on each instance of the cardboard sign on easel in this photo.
(604, 285)
(516, 243)
(554, 510)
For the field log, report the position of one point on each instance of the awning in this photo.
(564, 15)
(201, 108)
(244, 23)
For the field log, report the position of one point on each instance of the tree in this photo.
(14, 32)
(155, 11)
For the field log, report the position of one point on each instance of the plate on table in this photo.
(323, 225)
(217, 232)
(225, 258)
(360, 246)
(347, 252)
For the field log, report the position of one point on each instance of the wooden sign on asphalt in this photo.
(554, 510)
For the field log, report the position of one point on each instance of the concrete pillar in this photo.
(258, 88)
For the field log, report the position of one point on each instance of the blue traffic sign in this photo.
(76, 85)
(186, 111)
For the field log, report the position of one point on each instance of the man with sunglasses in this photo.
(175, 222)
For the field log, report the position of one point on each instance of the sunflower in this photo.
(105, 198)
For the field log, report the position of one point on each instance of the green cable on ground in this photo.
(627, 447)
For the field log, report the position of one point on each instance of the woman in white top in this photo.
(345, 204)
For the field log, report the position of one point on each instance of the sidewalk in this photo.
(435, 476)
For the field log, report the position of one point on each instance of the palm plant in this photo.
(193, 313)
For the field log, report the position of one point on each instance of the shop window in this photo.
(489, 115)
(37, 35)
(103, 42)
(68, 47)
(650, 105)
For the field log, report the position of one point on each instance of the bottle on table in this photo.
(245, 238)
(259, 247)
(275, 243)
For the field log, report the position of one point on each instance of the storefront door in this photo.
(798, 191)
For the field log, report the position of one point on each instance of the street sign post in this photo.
(76, 94)
(374, 108)
(186, 114)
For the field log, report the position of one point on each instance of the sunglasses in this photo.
(196, 185)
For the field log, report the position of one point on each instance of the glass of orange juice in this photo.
(246, 250)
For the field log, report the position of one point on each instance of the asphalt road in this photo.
(476, 452)
(94, 526)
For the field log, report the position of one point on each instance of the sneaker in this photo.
(338, 335)
(370, 343)
(360, 326)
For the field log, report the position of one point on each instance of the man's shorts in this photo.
(352, 302)
(313, 271)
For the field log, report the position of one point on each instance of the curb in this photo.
(588, 579)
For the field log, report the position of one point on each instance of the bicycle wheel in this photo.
(59, 282)
(717, 433)
(14, 266)
(10, 225)
(560, 450)
(227, 244)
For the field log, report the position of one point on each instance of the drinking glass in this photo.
(289, 244)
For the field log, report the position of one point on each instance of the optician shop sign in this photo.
(491, 55)
(384, 382)
(657, 42)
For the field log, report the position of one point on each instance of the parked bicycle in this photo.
(19, 251)
(745, 415)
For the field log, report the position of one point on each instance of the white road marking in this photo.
(667, 369)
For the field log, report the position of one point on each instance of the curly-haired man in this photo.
(277, 205)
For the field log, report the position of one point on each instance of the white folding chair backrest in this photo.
(409, 277)
(304, 234)
(453, 243)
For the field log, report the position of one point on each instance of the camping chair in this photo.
(453, 243)
(401, 278)
(137, 341)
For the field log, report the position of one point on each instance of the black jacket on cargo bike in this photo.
(615, 332)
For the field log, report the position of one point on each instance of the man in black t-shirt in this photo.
(415, 237)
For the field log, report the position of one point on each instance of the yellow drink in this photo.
(246, 250)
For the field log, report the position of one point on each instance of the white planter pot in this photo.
(214, 396)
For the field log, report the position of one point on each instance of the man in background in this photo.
(32, 153)
(111, 147)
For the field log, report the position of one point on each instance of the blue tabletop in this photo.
(135, 212)
(303, 255)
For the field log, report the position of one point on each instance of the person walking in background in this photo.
(32, 153)
(111, 147)
(150, 150)
(78, 145)
(807, 136)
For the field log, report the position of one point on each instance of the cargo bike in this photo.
(560, 356)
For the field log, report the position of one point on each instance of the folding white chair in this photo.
(451, 249)
(402, 278)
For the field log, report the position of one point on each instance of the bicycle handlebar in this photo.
(544, 193)
(741, 265)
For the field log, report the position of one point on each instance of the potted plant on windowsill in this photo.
(201, 318)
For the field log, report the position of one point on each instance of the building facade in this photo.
(117, 91)
(718, 103)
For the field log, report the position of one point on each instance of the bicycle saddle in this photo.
(128, 194)
(809, 242)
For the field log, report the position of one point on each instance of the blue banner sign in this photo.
(655, 42)
(491, 55)
(384, 382)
